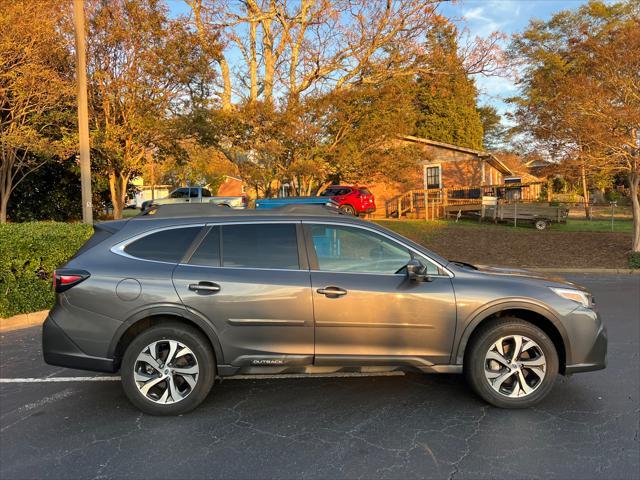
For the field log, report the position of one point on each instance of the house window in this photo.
(432, 176)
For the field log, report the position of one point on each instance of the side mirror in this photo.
(416, 271)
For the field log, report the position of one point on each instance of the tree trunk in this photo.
(4, 202)
(6, 185)
(118, 190)
(268, 54)
(253, 60)
(226, 78)
(634, 183)
(585, 191)
(323, 187)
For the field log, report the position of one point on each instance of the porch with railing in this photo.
(437, 203)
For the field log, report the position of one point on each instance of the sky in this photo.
(481, 18)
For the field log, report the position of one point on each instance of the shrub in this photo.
(634, 260)
(29, 252)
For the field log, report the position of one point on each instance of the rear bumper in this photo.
(367, 210)
(58, 349)
(596, 359)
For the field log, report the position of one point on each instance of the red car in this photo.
(353, 200)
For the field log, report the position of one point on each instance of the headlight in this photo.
(583, 298)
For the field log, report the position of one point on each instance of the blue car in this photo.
(265, 203)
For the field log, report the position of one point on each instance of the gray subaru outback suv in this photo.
(184, 294)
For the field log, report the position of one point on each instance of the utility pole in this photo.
(83, 111)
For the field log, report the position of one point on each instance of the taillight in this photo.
(245, 200)
(65, 279)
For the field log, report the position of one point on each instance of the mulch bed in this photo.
(524, 248)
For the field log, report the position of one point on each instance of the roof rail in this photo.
(213, 210)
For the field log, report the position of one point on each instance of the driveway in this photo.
(398, 426)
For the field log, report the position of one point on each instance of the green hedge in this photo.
(29, 252)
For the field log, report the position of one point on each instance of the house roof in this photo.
(538, 162)
(490, 158)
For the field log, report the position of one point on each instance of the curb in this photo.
(25, 320)
(602, 271)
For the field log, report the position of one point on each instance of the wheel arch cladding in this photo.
(134, 327)
(537, 318)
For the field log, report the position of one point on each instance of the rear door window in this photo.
(267, 245)
(168, 245)
(208, 252)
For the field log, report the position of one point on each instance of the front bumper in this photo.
(595, 359)
(58, 349)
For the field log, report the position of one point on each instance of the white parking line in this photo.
(58, 379)
(235, 377)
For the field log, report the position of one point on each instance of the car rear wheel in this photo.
(168, 369)
(348, 209)
(511, 364)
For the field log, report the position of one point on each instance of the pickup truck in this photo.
(196, 195)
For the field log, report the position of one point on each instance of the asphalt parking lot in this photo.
(402, 426)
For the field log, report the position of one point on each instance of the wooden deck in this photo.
(442, 202)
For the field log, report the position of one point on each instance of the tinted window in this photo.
(208, 252)
(364, 191)
(166, 246)
(206, 193)
(193, 192)
(347, 249)
(260, 246)
(329, 192)
(180, 193)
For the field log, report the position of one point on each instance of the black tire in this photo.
(482, 342)
(348, 209)
(191, 338)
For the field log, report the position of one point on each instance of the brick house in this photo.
(443, 165)
(231, 187)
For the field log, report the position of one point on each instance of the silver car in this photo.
(175, 299)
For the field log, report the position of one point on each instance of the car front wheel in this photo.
(511, 364)
(168, 369)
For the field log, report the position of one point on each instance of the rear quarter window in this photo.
(168, 245)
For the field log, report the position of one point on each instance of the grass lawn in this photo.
(577, 244)
(423, 227)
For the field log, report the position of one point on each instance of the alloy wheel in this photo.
(166, 371)
(515, 366)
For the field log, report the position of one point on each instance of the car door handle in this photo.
(332, 291)
(204, 287)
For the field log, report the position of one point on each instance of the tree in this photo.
(298, 80)
(494, 132)
(580, 91)
(36, 90)
(143, 68)
(447, 101)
